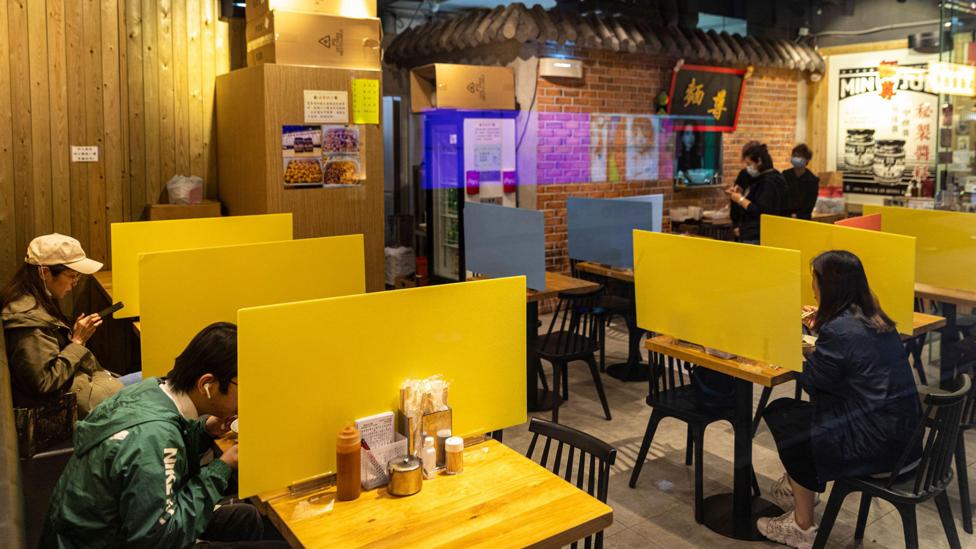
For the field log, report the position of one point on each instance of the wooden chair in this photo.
(909, 484)
(591, 457)
(671, 395)
(966, 355)
(572, 335)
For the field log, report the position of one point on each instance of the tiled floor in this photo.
(659, 512)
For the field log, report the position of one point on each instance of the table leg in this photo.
(949, 335)
(537, 399)
(734, 515)
(634, 369)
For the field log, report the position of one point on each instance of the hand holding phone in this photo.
(104, 313)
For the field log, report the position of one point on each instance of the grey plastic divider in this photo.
(500, 241)
(601, 229)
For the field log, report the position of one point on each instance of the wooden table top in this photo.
(558, 282)
(625, 275)
(501, 499)
(966, 298)
(923, 323)
(750, 370)
(104, 283)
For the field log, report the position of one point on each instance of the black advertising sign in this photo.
(712, 92)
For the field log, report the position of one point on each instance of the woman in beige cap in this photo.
(47, 358)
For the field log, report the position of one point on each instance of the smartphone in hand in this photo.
(105, 313)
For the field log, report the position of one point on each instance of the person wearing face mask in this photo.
(742, 181)
(802, 186)
(47, 354)
(763, 197)
(690, 157)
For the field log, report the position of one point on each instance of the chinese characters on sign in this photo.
(326, 107)
(885, 126)
(712, 94)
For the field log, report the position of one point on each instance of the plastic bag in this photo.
(185, 190)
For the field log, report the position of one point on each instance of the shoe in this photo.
(782, 494)
(783, 529)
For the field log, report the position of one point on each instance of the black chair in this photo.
(591, 457)
(572, 335)
(616, 300)
(965, 351)
(671, 395)
(40, 474)
(915, 345)
(910, 483)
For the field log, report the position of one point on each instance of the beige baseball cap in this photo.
(58, 249)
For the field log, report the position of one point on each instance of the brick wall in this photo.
(627, 84)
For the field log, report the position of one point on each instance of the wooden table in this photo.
(828, 217)
(950, 300)
(732, 515)
(924, 323)
(633, 369)
(501, 499)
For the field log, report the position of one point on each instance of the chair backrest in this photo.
(938, 431)
(667, 373)
(575, 323)
(587, 460)
(11, 504)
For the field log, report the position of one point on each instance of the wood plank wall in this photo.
(134, 77)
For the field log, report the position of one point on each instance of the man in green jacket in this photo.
(136, 479)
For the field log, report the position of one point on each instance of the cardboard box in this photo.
(207, 208)
(341, 8)
(296, 38)
(441, 86)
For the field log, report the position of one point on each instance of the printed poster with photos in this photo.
(886, 122)
(329, 156)
(629, 147)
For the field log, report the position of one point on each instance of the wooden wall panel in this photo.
(135, 78)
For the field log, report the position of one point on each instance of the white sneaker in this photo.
(783, 529)
(781, 493)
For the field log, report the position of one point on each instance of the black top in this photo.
(765, 197)
(801, 193)
(743, 180)
(866, 407)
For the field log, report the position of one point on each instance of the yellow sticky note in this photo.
(365, 101)
(183, 291)
(946, 243)
(737, 298)
(131, 239)
(888, 259)
(308, 369)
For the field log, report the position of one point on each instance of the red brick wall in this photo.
(628, 84)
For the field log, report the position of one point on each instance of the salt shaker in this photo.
(454, 451)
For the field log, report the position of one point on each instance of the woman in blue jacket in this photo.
(863, 407)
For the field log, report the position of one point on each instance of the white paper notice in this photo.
(84, 154)
(326, 107)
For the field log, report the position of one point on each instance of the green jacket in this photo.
(43, 360)
(135, 478)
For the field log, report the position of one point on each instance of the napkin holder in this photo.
(429, 425)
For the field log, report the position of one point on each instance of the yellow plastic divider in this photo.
(131, 239)
(308, 369)
(888, 259)
(738, 298)
(183, 291)
(946, 243)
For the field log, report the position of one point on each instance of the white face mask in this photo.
(40, 272)
(752, 171)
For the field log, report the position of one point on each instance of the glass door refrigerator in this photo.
(469, 156)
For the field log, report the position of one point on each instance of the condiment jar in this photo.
(429, 457)
(406, 476)
(454, 450)
(348, 474)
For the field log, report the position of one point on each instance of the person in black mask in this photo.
(765, 195)
(742, 181)
(802, 186)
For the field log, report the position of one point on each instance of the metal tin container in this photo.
(889, 161)
(859, 150)
(406, 476)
